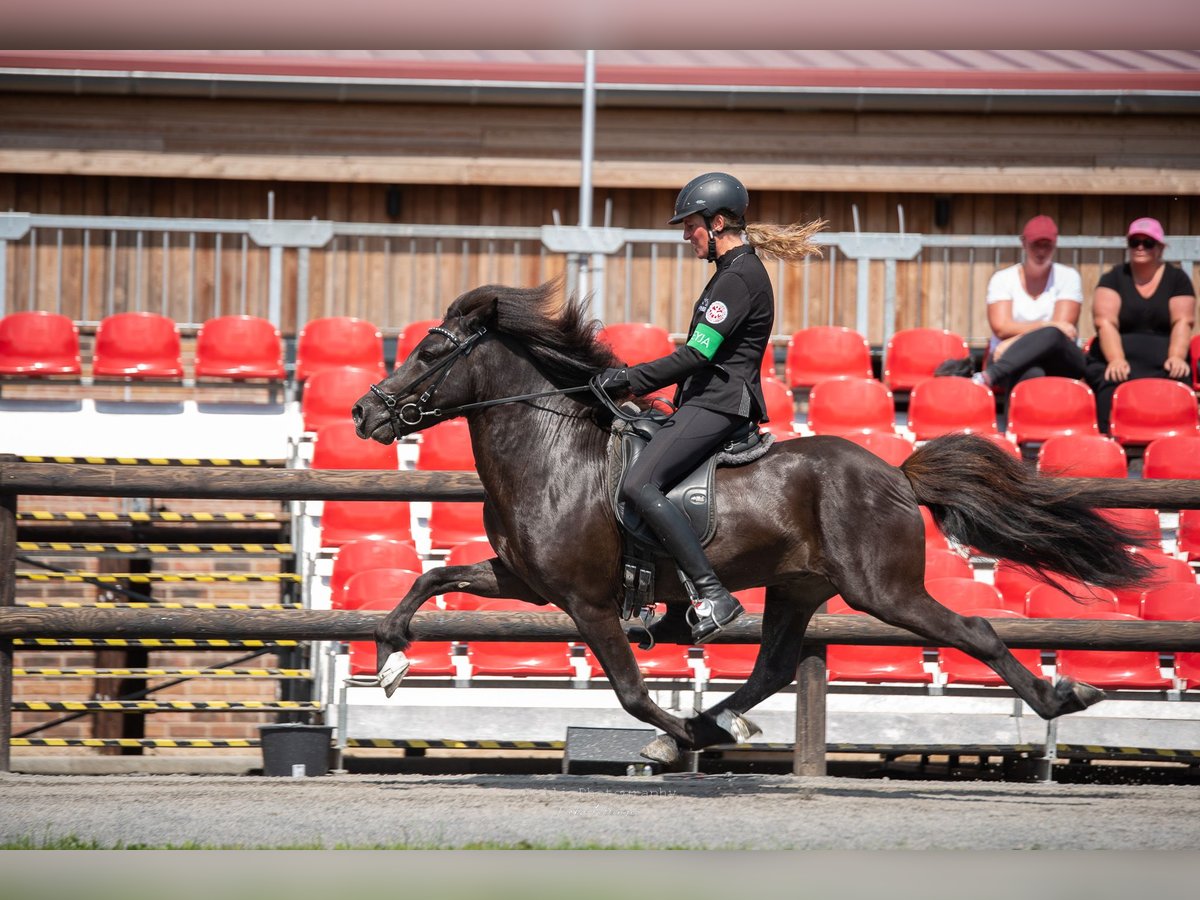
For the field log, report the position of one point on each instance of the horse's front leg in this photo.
(603, 633)
(489, 578)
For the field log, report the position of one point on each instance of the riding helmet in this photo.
(710, 193)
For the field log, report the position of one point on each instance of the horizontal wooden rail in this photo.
(347, 625)
(69, 479)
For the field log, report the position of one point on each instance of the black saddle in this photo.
(694, 496)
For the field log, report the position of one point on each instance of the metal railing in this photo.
(290, 271)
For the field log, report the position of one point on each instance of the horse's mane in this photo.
(556, 330)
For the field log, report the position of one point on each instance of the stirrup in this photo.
(705, 628)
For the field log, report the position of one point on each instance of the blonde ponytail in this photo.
(789, 242)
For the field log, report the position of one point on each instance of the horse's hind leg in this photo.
(914, 610)
(489, 578)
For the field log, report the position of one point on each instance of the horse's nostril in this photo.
(357, 414)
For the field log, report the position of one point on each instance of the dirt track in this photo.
(712, 811)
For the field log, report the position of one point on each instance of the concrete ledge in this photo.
(137, 765)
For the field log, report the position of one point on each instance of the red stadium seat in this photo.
(388, 586)
(1042, 408)
(465, 554)
(874, 665)
(1122, 669)
(933, 534)
(1014, 584)
(1175, 602)
(826, 351)
(951, 405)
(1187, 669)
(1045, 601)
(845, 406)
(912, 355)
(338, 341)
(946, 563)
(343, 521)
(337, 446)
(239, 347)
(837, 606)
(330, 394)
(520, 658)
(1172, 457)
(38, 343)
(455, 522)
(661, 661)
(637, 342)
(1143, 523)
(1195, 353)
(1146, 409)
(363, 554)
(960, 668)
(447, 446)
(892, 448)
(960, 594)
(1188, 535)
(412, 334)
(781, 407)
(137, 345)
(753, 600)
(732, 661)
(1167, 570)
(1003, 442)
(1082, 456)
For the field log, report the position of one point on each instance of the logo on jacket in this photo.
(716, 313)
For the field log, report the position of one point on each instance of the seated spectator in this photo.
(1144, 311)
(1033, 310)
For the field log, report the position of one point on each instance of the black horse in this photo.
(812, 518)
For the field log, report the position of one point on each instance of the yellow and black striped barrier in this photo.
(158, 577)
(156, 461)
(388, 744)
(101, 604)
(152, 643)
(160, 672)
(151, 706)
(150, 743)
(156, 549)
(151, 517)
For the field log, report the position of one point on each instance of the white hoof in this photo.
(741, 728)
(662, 750)
(395, 667)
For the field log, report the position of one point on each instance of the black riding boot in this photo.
(713, 606)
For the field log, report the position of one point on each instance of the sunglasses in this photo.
(1143, 243)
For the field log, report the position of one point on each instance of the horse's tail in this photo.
(983, 497)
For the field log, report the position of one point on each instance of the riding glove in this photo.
(613, 381)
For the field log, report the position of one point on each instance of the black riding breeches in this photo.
(684, 441)
(1043, 351)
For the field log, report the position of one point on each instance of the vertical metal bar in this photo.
(629, 282)
(809, 756)
(388, 300)
(464, 268)
(191, 288)
(945, 284)
(833, 285)
(138, 261)
(437, 268)
(889, 298)
(302, 273)
(862, 306)
(3, 277)
(166, 271)
(922, 296)
(245, 269)
(275, 285)
(217, 275)
(33, 269)
(83, 285)
(360, 309)
(806, 295)
(331, 281)
(412, 280)
(58, 279)
(112, 272)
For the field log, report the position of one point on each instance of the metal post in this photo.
(585, 175)
(809, 755)
(8, 580)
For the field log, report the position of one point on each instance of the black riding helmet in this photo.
(707, 195)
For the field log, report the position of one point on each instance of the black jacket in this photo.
(720, 366)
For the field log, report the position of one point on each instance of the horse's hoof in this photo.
(662, 750)
(393, 670)
(738, 727)
(1076, 695)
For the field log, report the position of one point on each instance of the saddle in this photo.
(694, 496)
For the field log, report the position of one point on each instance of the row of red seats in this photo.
(1038, 409)
(147, 345)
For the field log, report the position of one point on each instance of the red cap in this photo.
(1040, 228)
(1149, 227)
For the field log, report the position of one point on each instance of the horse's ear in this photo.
(482, 313)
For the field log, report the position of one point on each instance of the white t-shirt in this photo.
(1064, 283)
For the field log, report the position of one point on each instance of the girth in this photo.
(694, 496)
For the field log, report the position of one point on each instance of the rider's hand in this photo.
(612, 381)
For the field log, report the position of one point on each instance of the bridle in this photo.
(411, 414)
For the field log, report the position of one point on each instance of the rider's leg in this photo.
(678, 447)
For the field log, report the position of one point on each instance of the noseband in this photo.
(412, 413)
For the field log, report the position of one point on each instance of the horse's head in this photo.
(432, 379)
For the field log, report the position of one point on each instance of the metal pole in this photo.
(585, 175)
(8, 581)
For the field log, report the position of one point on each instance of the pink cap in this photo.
(1040, 228)
(1147, 226)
